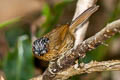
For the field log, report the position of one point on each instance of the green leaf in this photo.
(12, 34)
(46, 11)
(76, 77)
(97, 54)
(18, 65)
(3, 24)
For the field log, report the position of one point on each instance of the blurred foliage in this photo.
(52, 16)
(9, 22)
(115, 13)
(75, 78)
(18, 65)
(99, 53)
(13, 35)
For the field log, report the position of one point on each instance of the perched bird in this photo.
(60, 39)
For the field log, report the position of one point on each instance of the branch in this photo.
(81, 6)
(64, 62)
(93, 66)
(64, 65)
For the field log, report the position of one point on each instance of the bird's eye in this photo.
(40, 46)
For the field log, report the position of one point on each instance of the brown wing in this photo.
(57, 36)
(82, 18)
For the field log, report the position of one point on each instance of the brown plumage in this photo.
(60, 39)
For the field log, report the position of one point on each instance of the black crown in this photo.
(40, 46)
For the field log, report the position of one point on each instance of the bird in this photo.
(60, 39)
